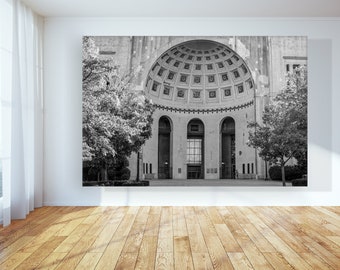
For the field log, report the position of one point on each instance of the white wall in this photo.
(63, 141)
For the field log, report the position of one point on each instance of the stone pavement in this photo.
(216, 182)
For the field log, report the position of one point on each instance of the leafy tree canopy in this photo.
(283, 134)
(116, 119)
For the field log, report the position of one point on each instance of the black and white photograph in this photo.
(154, 135)
(194, 111)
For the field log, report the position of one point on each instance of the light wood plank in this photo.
(166, 227)
(179, 223)
(14, 247)
(52, 261)
(227, 239)
(190, 216)
(41, 239)
(75, 255)
(207, 227)
(240, 261)
(89, 261)
(95, 215)
(126, 261)
(330, 212)
(315, 261)
(40, 254)
(50, 220)
(104, 237)
(277, 261)
(237, 213)
(323, 253)
(20, 228)
(135, 237)
(173, 238)
(218, 256)
(253, 254)
(309, 229)
(155, 210)
(164, 261)
(73, 238)
(69, 227)
(335, 239)
(78, 251)
(258, 239)
(196, 239)
(90, 226)
(147, 253)
(115, 246)
(214, 215)
(182, 253)
(279, 244)
(143, 214)
(165, 236)
(152, 225)
(202, 261)
(14, 260)
(165, 245)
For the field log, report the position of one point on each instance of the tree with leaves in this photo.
(116, 119)
(283, 134)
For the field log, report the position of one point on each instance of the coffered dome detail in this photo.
(200, 74)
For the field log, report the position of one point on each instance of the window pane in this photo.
(194, 151)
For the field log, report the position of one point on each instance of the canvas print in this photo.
(194, 111)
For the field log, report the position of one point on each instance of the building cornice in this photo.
(204, 111)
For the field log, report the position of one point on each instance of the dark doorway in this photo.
(228, 149)
(195, 149)
(164, 148)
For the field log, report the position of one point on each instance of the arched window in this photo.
(195, 149)
(164, 148)
(228, 168)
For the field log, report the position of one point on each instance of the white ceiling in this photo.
(186, 8)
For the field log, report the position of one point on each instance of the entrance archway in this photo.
(201, 79)
(228, 167)
(164, 148)
(195, 149)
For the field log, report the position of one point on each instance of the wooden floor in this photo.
(173, 238)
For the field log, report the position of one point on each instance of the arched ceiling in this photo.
(200, 74)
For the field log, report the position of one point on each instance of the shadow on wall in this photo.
(320, 114)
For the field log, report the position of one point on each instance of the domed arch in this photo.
(195, 149)
(227, 125)
(200, 73)
(165, 123)
(227, 149)
(164, 147)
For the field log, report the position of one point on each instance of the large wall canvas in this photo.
(194, 111)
